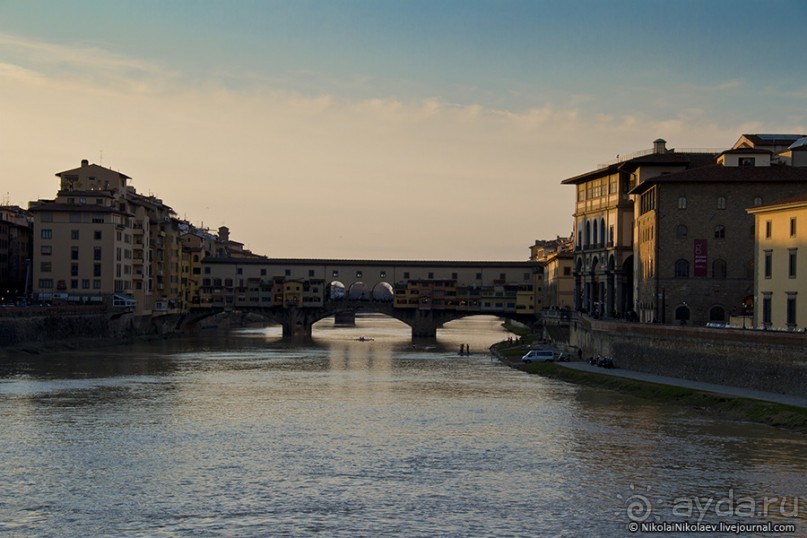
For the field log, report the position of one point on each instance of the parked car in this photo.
(539, 355)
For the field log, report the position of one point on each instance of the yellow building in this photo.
(780, 282)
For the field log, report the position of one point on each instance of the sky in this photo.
(380, 129)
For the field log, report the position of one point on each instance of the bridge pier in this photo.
(296, 330)
(345, 319)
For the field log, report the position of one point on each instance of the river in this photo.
(250, 435)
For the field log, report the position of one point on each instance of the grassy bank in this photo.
(773, 414)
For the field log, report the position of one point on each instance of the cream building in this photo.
(101, 242)
(780, 280)
(83, 239)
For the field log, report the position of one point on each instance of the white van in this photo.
(539, 355)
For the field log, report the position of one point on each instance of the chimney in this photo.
(85, 162)
(659, 145)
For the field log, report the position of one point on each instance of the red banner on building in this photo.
(701, 258)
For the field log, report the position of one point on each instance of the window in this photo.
(74, 235)
(46, 267)
(719, 269)
(287, 272)
(791, 262)
(46, 250)
(682, 202)
(46, 217)
(239, 271)
(98, 220)
(383, 274)
(682, 268)
(46, 283)
(73, 253)
(768, 229)
(720, 232)
(96, 284)
(758, 201)
(406, 275)
(681, 231)
(721, 202)
(310, 272)
(768, 263)
(74, 284)
(567, 271)
(96, 253)
(46, 234)
(358, 274)
(263, 272)
(96, 269)
(717, 313)
(73, 269)
(793, 227)
(766, 309)
(791, 309)
(746, 161)
(96, 235)
(75, 217)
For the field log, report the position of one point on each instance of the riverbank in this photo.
(716, 404)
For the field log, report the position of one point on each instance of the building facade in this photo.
(604, 227)
(693, 239)
(16, 244)
(780, 254)
(100, 242)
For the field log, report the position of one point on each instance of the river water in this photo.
(250, 435)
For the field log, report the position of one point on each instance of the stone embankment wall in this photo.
(24, 328)
(769, 361)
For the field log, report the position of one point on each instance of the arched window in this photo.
(721, 202)
(594, 233)
(682, 202)
(681, 231)
(588, 234)
(602, 231)
(719, 269)
(682, 314)
(682, 268)
(720, 232)
(717, 313)
(758, 200)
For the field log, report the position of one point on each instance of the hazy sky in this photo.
(383, 129)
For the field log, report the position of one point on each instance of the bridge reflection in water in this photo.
(297, 293)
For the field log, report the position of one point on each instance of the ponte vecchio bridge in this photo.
(423, 294)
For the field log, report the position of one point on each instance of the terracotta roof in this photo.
(747, 150)
(728, 174)
(93, 167)
(670, 158)
(798, 199)
(763, 139)
(76, 208)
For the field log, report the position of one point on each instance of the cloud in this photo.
(290, 170)
(84, 63)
